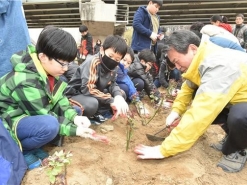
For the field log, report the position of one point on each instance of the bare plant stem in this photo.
(156, 111)
(129, 133)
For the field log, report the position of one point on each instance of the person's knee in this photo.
(91, 107)
(236, 121)
(52, 126)
(139, 84)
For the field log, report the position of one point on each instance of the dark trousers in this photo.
(91, 105)
(138, 83)
(234, 122)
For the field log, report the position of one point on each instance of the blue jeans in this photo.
(36, 131)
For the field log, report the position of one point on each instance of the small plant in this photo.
(57, 164)
(129, 132)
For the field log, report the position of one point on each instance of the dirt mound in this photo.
(95, 163)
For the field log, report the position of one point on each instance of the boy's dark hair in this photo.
(224, 19)
(216, 18)
(147, 55)
(159, 2)
(196, 28)
(117, 43)
(131, 53)
(56, 43)
(83, 28)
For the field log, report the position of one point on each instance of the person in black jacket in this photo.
(139, 73)
(94, 86)
(97, 46)
(167, 72)
(86, 43)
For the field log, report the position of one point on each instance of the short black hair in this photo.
(117, 43)
(159, 2)
(216, 18)
(196, 28)
(83, 28)
(56, 43)
(147, 55)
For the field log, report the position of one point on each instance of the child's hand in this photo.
(148, 67)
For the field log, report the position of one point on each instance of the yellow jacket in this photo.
(220, 77)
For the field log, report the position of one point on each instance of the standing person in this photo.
(221, 21)
(86, 43)
(240, 31)
(146, 24)
(97, 46)
(221, 89)
(14, 33)
(94, 83)
(33, 107)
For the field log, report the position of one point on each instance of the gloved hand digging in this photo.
(171, 118)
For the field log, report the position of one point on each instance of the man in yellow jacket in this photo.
(218, 75)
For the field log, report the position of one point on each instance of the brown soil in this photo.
(96, 163)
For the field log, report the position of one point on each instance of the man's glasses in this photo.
(62, 64)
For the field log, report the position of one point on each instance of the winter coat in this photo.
(165, 74)
(123, 78)
(14, 34)
(143, 28)
(71, 70)
(137, 70)
(213, 30)
(96, 48)
(86, 45)
(240, 31)
(26, 92)
(227, 27)
(219, 81)
(92, 78)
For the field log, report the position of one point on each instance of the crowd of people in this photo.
(47, 94)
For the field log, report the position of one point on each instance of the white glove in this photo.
(171, 118)
(82, 121)
(154, 36)
(84, 132)
(119, 107)
(148, 152)
(91, 134)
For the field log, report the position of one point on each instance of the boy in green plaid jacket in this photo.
(32, 105)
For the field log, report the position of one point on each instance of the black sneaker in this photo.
(98, 117)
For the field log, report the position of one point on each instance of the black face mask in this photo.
(109, 63)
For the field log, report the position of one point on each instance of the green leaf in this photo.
(52, 179)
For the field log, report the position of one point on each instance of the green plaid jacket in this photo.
(25, 92)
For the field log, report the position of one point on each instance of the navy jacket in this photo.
(12, 164)
(143, 29)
